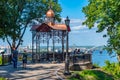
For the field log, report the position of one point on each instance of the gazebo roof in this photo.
(43, 28)
(47, 27)
(34, 27)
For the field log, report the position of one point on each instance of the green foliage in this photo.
(5, 59)
(1, 78)
(105, 13)
(90, 75)
(0, 60)
(96, 65)
(16, 16)
(112, 68)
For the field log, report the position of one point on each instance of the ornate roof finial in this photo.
(50, 12)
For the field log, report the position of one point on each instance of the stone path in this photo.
(39, 71)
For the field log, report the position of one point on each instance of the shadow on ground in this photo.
(21, 73)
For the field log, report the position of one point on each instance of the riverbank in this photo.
(111, 71)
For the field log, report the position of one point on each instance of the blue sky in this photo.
(72, 8)
(80, 35)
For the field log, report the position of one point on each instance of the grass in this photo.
(1, 78)
(90, 75)
(111, 71)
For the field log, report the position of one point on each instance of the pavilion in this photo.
(46, 31)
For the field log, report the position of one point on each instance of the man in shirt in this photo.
(14, 57)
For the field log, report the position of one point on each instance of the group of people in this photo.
(76, 58)
(77, 51)
(14, 58)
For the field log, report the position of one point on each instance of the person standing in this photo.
(78, 51)
(74, 55)
(24, 59)
(14, 57)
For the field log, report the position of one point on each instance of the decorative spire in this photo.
(50, 13)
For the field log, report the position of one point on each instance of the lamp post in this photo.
(66, 71)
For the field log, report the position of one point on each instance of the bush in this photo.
(4, 60)
(0, 60)
(112, 68)
(90, 75)
(76, 76)
(96, 65)
(1, 78)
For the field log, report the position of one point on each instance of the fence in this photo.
(4, 59)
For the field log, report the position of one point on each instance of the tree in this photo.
(2, 19)
(106, 14)
(17, 15)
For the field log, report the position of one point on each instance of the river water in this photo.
(99, 57)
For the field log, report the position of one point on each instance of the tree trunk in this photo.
(13, 44)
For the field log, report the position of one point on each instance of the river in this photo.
(100, 57)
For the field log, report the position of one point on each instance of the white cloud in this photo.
(73, 21)
(76, 24)
(76, 21)
(78, 27)
(79, 31)
(74, 32)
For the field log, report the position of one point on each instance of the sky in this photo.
(80, 35)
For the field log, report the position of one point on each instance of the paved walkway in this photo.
(39, 71)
